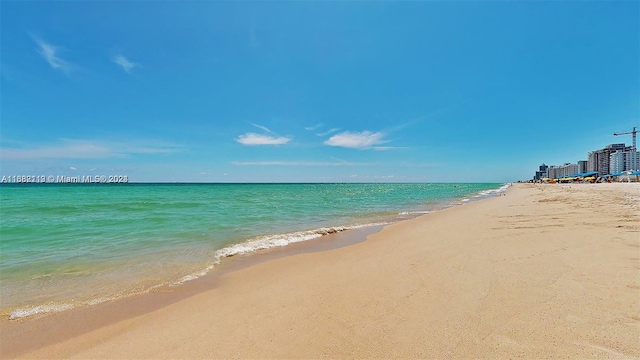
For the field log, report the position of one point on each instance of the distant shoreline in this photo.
(244, 183)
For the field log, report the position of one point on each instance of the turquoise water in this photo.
(68, 245)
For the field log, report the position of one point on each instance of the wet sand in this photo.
(545, 271)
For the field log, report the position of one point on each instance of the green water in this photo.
(65, 245)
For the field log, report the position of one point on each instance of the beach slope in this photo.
(544, 271)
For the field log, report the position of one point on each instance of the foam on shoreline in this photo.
(251, 246)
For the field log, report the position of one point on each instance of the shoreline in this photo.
(249, 247)
(374, 298)
(14, 342)
(327, 238)
(110, 311)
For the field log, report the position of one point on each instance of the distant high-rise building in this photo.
(624, 160)
(582, 166)
(592, 160)
(599, 160)
(543, 167)
(541, 173)
(567, 169)
(633, 160)
(616, 162)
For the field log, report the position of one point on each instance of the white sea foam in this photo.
(484, 194)
(492, 192)
(21, 313)
(279, 240)
(419, 212)
(499, 190)
(41, 309)
(98, 300)
(195, 275)
(271, 241)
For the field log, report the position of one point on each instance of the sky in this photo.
(337, 91)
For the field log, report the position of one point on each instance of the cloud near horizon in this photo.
(125, 63)
(298, 163)
(86, 149)
(253, 139)
(363, 140)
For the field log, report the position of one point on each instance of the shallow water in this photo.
(66, 245)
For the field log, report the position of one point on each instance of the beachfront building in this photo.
(582, 166)
(556, 172)
(616, 162)
(599, 160)
(592, 161)
(541, 173)
(569, 169)
(621, 161)
(632, 161)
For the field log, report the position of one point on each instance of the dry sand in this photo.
(546, 271)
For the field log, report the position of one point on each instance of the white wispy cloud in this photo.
(318, 126)
(299, 163)
(50, 54)
(420, 119)
(263, 128)
(87, 149)
(376, 177)
(314, 127)
(358, 140)
(252, 139)
(328, 132)
(125, 63)
(414, 164)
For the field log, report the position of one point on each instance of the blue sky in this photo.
(314, 91)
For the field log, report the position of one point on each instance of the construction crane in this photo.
(633, 133)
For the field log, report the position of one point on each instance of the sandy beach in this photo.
(545, 271)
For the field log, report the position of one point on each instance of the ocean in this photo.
(69, 245)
